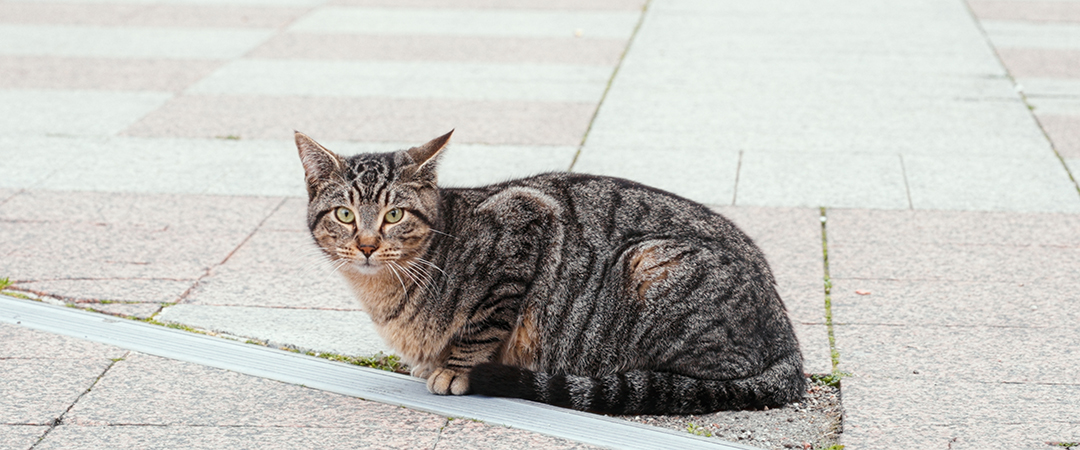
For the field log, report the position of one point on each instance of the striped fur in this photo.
(588, 292)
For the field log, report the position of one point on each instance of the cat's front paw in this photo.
(448, 381)
(421, 371)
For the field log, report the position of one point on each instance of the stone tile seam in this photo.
(247, 238)
(738, 171)
(944, 326)
(607, 87)
(1023, 96)
(907, 184)
(60, 419)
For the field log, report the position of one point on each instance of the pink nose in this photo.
(367, 249)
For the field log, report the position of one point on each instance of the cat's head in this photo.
(372, 210)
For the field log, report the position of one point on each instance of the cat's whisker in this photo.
(429, 263)
(428, 282)
(420, 283)
(404, 290)
(440, 232)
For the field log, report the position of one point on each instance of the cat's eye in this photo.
(394, 215)
(345, 215)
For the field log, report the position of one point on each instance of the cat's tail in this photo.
(643, 392)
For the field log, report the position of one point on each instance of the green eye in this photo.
(345, 215)
(394, 215)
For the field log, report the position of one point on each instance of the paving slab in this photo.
(929, 413)
(281, 269)
(111, 74)
(713, 172)
(96, 292)
(480, 165)
(21, 436)
(500, 4)
(343, 332)
(1025, 10)
(25, 344)
(149, 390)
(811, 179)
(956, 303)
(814, 343)
(1037, 62)
(989, 183)
(1064, 132)
(480, 22)
(128, 42)
(1038, 89)
(368, 119)
(969, 228)
(408, 79)
(233, 437)
(67, 113)
(135, 14)
(1032, 355)
(467, 434)
(1016, 34)
(565, 50)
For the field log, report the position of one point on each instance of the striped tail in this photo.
(640, 391)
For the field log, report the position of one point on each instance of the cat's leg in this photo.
(478, 343)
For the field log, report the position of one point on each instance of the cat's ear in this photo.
(319, 163)
(426, 156)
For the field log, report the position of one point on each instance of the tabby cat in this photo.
(581, 291)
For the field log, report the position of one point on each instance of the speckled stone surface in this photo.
(466, 434)
(20, 436)
(234, 437)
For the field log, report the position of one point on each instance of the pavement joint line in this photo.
(1023, 96)
(607, 87)
(833, 353)
(361, 382)
(60, 420)
(735, 190)
(907, 185)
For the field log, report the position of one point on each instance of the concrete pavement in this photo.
(147, 170)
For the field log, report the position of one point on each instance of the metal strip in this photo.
(345, 379)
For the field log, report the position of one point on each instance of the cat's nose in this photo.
(367, 250)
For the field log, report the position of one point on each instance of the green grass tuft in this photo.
(693, 428)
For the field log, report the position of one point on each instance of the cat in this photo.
(582, 291)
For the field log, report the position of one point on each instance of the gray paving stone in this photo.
(466, 434)
(149, 390)
(1062, 106)
(285, 3)
(709, 177)
(602, 52)
(990, 183)
(470, 165)
(408, 79)
(822, 179)
(1074, 166)
(233, 437)
(126, 310)
(970, 354)
(38, 391)
(483, 22)
(291, 216)
(956, 303)
(323, 331)
(1015, 34)
(115, 74)
(106, 42)
(134, 14)
(369, 119)
(21, 436)
(67, 113)
(926, 413)
(1052, 88)
(278, 269)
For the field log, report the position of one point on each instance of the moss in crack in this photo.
(833, 353)
(381, 361)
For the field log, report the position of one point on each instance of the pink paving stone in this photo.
(146, 15)
(500, 4)
(443, 48)
(1032, 11)
(928, 414)
(956, 303)
(117, 74)
(276, 269)
(291, 216)
(38, 391)
(149, 390)
(464, 434)
(368, 119)
(235, 438)
(1064, 132)
(969, 354)
(1041, 62)
(21, 436)
(91, 291)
